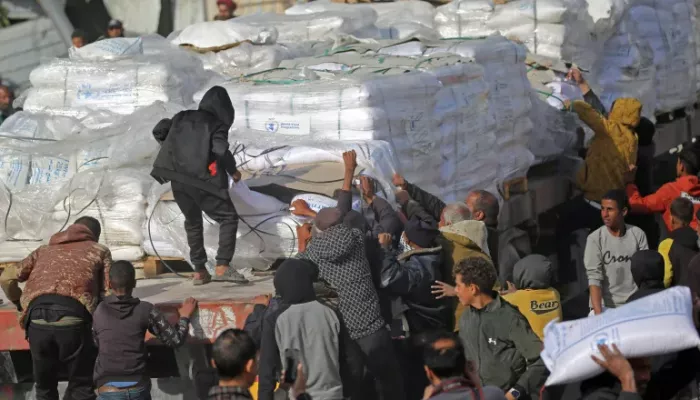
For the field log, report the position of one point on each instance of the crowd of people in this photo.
(385, 304)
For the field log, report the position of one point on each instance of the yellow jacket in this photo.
(538, 306)
(664, 249)
(613, 148)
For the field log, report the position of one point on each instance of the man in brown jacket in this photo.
(64, 282)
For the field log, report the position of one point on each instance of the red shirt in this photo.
(660, 202)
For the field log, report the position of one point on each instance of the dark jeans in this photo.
(140, 393)
(192, 202)
(573, 215)
(65, 349)
(376, 353)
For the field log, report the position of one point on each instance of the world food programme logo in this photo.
(272, 126)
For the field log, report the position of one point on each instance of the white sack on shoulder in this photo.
(658, 324)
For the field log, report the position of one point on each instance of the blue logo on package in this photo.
(272, 126)
(600, 339)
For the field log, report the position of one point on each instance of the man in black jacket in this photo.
(195, 156)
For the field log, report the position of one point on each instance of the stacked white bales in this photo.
(651, 56)
(560, 29)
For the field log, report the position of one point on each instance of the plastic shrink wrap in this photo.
(122, 84)
(560, 29)
(651, 56)
(217, 35)
(249, 58)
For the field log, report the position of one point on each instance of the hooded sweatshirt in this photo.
(72, 266)
(303, 326)
(339, 254)
(459, 241)
(119, 328)
(536, 299)
(660, 202)
(613, 148)
(192, 140)
(648, 273)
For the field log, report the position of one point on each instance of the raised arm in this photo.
(430, 203)
(172, 336)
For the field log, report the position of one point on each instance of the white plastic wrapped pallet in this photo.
(249, 58)
(217, 34)
(317, 26)
(123, 84)
(555, 28)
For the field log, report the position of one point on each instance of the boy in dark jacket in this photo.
(496, 334)
(195, 157)
(119, 329)
(648, 272)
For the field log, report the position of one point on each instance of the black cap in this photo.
(115, 24)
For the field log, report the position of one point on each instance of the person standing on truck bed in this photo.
(195, 157)
(612, 150)
(65, 280)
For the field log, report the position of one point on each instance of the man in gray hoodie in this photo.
(609, 250)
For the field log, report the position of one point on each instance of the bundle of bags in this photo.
(248, 58)
(119, 75)
(651, 56)
(559, 29)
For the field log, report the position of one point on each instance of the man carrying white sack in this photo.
(195, 157)
(609, 250)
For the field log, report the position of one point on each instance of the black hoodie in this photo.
(648, 273)
(192, 140)
(119, 327)
(683, 249)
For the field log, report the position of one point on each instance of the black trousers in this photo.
(67, 350)
(573, 215)
(375, 353)
(192, 202)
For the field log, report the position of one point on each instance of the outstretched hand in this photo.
(630, 174)
(398, 181)
(442, 289)
(350, 160)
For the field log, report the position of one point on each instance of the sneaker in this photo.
(201, 278)
(228, 274)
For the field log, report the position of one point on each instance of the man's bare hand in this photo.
(567, 104)
(303, 236)
(188, 307)
(614, 362)
(385, 240)
(630, 174)
(442, 289)
(510, 288)
(301, 208)
(236, 176)
(575, 75)
(350, 160)
(398, 181)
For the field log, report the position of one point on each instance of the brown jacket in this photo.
(73, 264)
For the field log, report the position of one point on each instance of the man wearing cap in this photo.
(226, 10)
(115, 29)
(686, 185)
(338, 251)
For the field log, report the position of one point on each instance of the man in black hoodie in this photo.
(119, 328)
(195, 156)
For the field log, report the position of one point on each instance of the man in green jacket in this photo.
(495, 335)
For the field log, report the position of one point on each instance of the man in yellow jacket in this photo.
(535, 297)
(611, 152)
